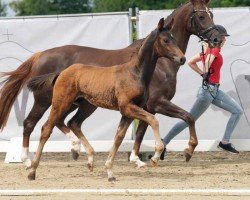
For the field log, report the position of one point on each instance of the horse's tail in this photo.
(45, 82)
(12, 84)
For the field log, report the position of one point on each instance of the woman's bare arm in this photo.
(193, 63)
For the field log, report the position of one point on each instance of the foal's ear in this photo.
(161, 24)
(170, 24)
(206, 1)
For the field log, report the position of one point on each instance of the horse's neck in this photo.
(179, 28)
(181, 34)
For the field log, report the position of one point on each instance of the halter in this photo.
(201, 34)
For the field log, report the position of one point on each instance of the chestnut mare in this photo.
(121, 87)
(190, 18)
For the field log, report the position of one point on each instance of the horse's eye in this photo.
(166, 40)
(201, 17)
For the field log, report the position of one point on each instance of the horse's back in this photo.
(59, 58)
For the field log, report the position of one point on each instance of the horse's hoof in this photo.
(32, 176)
(27, 163)
(75, 154)
(153, 163)
(163, 154)
(90, 167)
(112, 179)
(150, 156)
(141, 165)
(188, 155)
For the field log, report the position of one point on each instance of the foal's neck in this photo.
(147, 59)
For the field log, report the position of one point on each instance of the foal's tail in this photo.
(12, 84)
(45, 81)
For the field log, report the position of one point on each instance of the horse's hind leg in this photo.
(40, 105)
(84, 111)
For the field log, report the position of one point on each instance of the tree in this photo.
(2, 9)
(124, 5)
(49, 7)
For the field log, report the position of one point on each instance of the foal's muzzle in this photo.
(182, 60)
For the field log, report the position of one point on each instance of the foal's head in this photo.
(165, 45)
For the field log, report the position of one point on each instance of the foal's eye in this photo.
(201, 17)
(166, 40)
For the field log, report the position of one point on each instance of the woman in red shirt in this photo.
(209, 93)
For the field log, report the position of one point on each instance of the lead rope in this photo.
(205, 84)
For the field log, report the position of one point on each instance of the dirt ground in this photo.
(210, 170)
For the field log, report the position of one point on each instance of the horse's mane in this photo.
(169, 17)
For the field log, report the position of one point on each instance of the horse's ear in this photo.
(192, 1)
(161, 24)
(170, 24)
(195, 1)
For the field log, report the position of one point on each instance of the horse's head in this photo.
(200, 21)
(165, 45)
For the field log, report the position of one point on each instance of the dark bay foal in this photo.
(121, 87)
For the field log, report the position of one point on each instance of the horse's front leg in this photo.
(133, 111)
(140, 132)
(167, 108)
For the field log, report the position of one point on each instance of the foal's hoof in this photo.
(153, 162)
(90, 167)
(188, 155)
(141, 165)
(112, 179)
(32, 176)
(75, 154)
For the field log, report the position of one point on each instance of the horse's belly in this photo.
(107, 101)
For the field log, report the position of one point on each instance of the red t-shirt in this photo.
(216, 65)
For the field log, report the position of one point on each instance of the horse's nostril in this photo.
(182, 60)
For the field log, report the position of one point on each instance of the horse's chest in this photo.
(163, 86)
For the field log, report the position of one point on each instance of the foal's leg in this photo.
(167, 108)
(133, 111)
(121, 131)
(142, 127)
(84, 111)
(40, 105)
(62, 103)
(75, 142)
